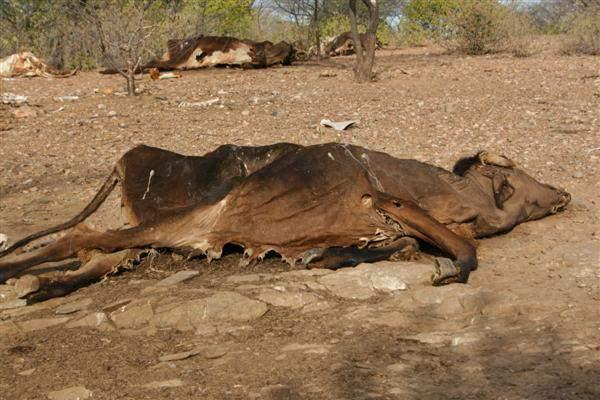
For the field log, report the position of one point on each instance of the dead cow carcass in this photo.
(211, 51)
(329, 205)
(343, 45)
(26, 64)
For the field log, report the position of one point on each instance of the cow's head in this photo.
(513, 190)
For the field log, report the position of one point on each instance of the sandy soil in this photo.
(533, 333)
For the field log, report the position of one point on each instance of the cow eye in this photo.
(200, 56)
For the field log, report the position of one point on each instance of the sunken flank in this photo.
(328, 205)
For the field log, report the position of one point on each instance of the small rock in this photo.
(287, 299)
(75, 306)
(101, 106)
(26, 284)
(179, 356)
(245, 113)
(27, 372)
(171, 383)
(67, 98)
(213, 352)
(116, 305)
(578, 175)
(112, 113)
(93, 320)
(328, 74)
(132, 316)
(178, 277)
(307, 348)
(24, 112)
(72, 393)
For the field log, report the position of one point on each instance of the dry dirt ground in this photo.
(526, 326)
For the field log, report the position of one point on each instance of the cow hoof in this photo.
(445, 272)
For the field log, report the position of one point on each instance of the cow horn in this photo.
(495, 159)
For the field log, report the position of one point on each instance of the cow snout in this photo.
(564, 199)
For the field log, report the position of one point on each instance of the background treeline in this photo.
(87, 33)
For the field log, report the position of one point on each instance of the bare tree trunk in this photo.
(317, 29)
(365, 55)
(130, 78)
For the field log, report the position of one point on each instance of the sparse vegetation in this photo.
(68, 34)
(583, 36)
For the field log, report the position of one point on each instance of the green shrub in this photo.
(478, 26)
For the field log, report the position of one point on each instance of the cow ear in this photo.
(503, 190)
(495, 159)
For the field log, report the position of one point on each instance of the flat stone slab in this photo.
(178, 277)
(307, 348)
(93, 320)
(132, 316)
(171, 383)
(72, 393)
(11, 304)
(179, 356)
(41, 323)
(364, 281)
(75, 306)
(189, 315)
(291, 299)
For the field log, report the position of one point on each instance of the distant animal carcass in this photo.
(343, 45)
(215, 51)
(28, 65)
(331, 205)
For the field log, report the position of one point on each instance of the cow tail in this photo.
(92, 206)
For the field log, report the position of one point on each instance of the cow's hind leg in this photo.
(79, 238)
(43, 287)
(404, 248)
(418, 223)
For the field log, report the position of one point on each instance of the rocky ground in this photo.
(526, 326)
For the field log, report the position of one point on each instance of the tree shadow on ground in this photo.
(521, 361)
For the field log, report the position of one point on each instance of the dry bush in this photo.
(584, 34)
(487, 26)
(520, 35)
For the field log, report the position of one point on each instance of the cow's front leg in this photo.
(404, 248)
(418, 223)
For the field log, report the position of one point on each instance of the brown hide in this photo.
(301, 202)
(209, 51)
(156, 183)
